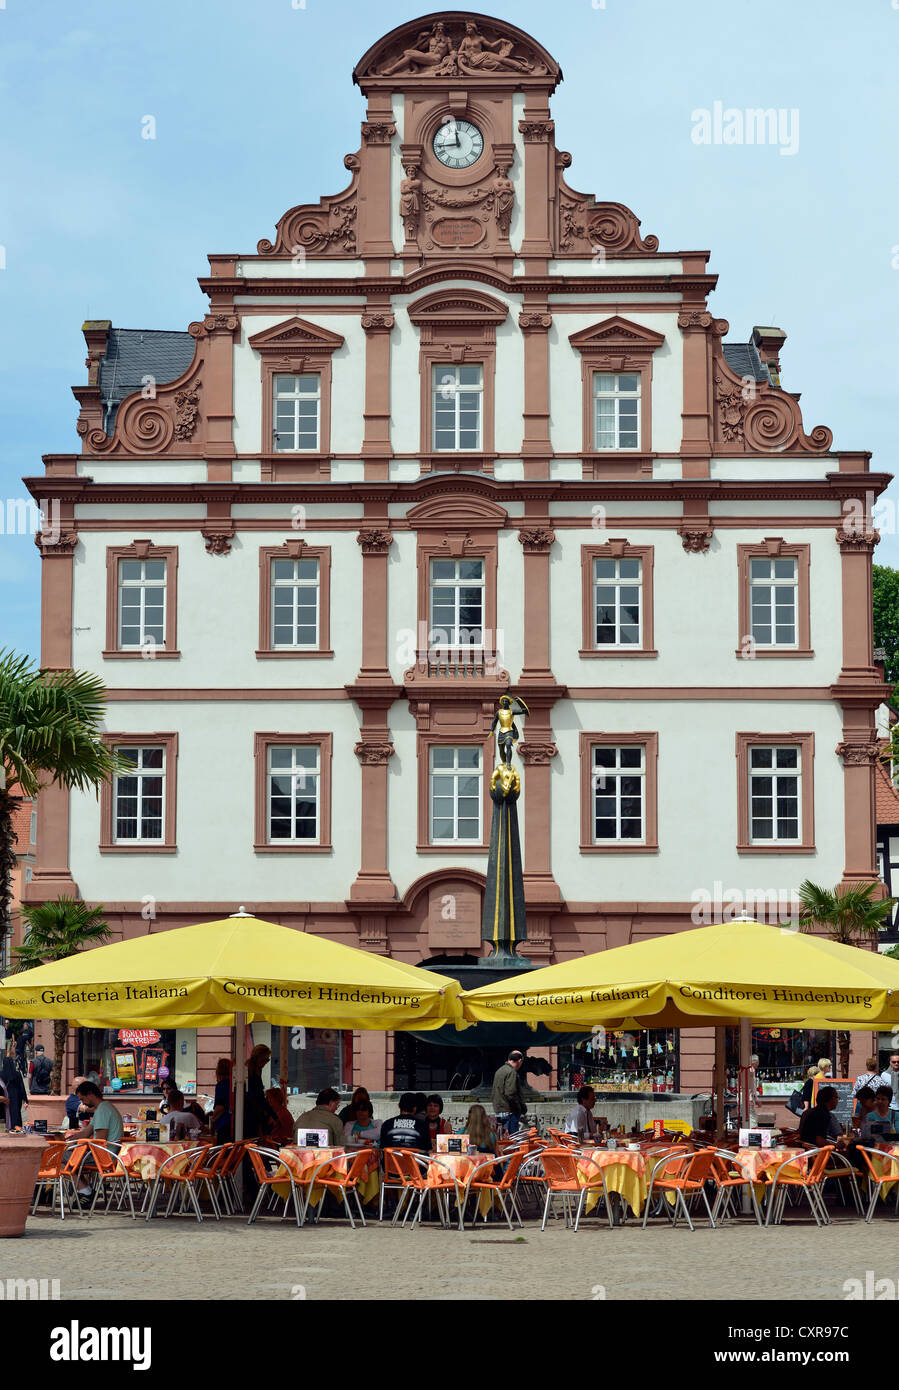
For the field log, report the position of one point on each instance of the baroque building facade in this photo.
(456, 431)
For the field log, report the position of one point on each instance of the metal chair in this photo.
(501, 1188)
(270, 1169)
(111, 1174)
(809, 1182)
(683, 1175)
(877, 1179)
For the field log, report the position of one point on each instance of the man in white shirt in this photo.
(183, 1124)
(579, 1119)
(891, 1078)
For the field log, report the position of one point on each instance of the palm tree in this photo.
(49, 732)
(849, 914)
(54, 931)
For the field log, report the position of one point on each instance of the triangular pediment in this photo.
(617, 332)
(296, 333)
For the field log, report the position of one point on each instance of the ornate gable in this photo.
(617, 334)
(296, 336)
(454, 45)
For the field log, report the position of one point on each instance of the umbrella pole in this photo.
(240, 1071)
(284, 1045)
(720, 1078)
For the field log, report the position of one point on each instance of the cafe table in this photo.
(625, 1171)
(303, 1161)
(462, 1166)
(890, 1154)
(143, 1160)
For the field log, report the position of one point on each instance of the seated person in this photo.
(436, 1125)
(183, 1123)
(816, 1127)
(878, 1122)
(323, 1115)
(282, 1131)
(76, 1110)
(362, 1132)
(479, 1130)
(579, 1119)
(106, 1122)
(407, 1130)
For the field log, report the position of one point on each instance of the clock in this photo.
(458, 144)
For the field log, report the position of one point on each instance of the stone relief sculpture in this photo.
(430, 50)
(472, 54)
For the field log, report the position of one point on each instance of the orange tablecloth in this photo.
(626, 1171)
(144, 1160)
(762, 1164)
(302, 1162)
(462, 1166)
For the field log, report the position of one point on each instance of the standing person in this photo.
(221, 1121)
(871, 1077)
(39, 1073)
(508, 1097)
(14, 1085)
(258, 1116)
(891, 1078)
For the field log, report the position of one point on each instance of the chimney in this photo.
(96, 335)
(769, 342)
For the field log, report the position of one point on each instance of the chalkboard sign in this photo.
(845, 1102)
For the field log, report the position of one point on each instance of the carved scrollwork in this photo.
(374, 753)
(855, 538)
(378, 323)
(378, 132)
(143, 426)
(537, 754)
(187, 411)
(696, 539)
(214, 323)
(586, 228)
(535, 322)
(63, 544)
(218, 540)
(374, 542)
(536, 540)
(326, 230)
(535, 132)
(858, 754)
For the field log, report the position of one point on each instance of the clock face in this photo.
(458, 144)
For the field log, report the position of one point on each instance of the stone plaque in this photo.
(454, 916)
(457, 231)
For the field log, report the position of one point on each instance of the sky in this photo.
(254, 108)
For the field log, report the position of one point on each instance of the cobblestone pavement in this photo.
(177, 1259)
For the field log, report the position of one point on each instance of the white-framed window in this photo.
(454, 796)
(138, 809)
(616, 410)
(775, 794)
(456, 606)
(293, 812)
(141, 605)
(618, 602)
(457, 403)
(32, 831)
(619, 794)
(774, 600)
(295, 603)
(296, 412)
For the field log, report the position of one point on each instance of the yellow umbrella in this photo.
(732, 970)
(213, 971)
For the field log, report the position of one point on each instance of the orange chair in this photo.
(49, 1172)
(561, 1139)
(683, 1175)
(480, 1179)
(270, 1169)
(180, 1182)
(402, 1174)
(333, 1178)
(208, 1173)
(228, 1185)
(877, 1177)
(561, 1172)
(111, 1173)
(730, 1176)
(808, 1179)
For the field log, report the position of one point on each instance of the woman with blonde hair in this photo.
(478, 1129)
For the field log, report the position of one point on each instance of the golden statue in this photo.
(508, 734)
